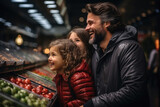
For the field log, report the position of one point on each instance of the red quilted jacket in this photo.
(80, 89)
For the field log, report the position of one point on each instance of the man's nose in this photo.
(87, 28)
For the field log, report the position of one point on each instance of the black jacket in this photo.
(120, 72)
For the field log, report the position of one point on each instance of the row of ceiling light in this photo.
(38, 16)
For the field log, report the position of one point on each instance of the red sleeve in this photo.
(83, 87)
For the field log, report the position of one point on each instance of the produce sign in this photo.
(21, 95)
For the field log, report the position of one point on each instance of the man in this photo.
(118, 62)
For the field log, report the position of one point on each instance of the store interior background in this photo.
(36, 26)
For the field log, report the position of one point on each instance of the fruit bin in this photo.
(38, 79)
(32, 87)
(22, 95)
(7, 101)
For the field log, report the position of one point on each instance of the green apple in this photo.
(17, 96)
(7, 90)
(23, 100)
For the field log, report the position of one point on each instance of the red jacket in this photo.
(81, 86)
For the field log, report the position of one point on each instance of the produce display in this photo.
(6, 101)
(22, 95)
(44, 73)
(13, 55)
(22, 84)
(26, 83)
(39, 79)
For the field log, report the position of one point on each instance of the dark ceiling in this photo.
(131, 9)
(75, 10)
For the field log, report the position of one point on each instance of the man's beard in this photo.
(98, 36)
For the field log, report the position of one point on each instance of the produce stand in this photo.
(25, 74)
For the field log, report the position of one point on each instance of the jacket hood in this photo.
(130, 33)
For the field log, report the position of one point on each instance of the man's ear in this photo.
(107, 24)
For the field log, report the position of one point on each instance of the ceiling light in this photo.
(51, 6)
(58, 18)
(149, 11)
(36, 14)
(81, 19)
(8, 24)
(26, 5)
(47, 26)
(138, 18)
(84, 10)
(38, 18)
(143, 14)
(54, 11)
(19, 40)
(49, 2)
(32, 11)
(18, 0)
(2, 20)
(157, 10)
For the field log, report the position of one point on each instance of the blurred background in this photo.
(33, 24)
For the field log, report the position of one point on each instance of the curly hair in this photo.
(84, 36)
(70, 54)
(107, 13)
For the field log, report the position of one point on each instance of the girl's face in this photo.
(77, 41)
(55, 60)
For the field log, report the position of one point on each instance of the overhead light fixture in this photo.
(19, 40)
(41, 20)
(36, 14)
(26, 5)
(49, 2)
(32, 11)
(138, 18)
(54, 11)
(19, 1)
(51, 6)
(81, 19)
(58, 18)
(38, 18)
(83, 10)
(157, 10)
(143, 14)
(2, 20)
(8, 24)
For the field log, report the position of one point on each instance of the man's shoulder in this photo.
(127, 43)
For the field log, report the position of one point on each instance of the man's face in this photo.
(95, 29)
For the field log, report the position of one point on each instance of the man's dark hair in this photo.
(108, 13)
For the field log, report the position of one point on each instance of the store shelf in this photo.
(15, 62)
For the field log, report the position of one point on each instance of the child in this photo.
(81, 38)
(73, 80)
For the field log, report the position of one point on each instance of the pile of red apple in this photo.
(26, 83)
